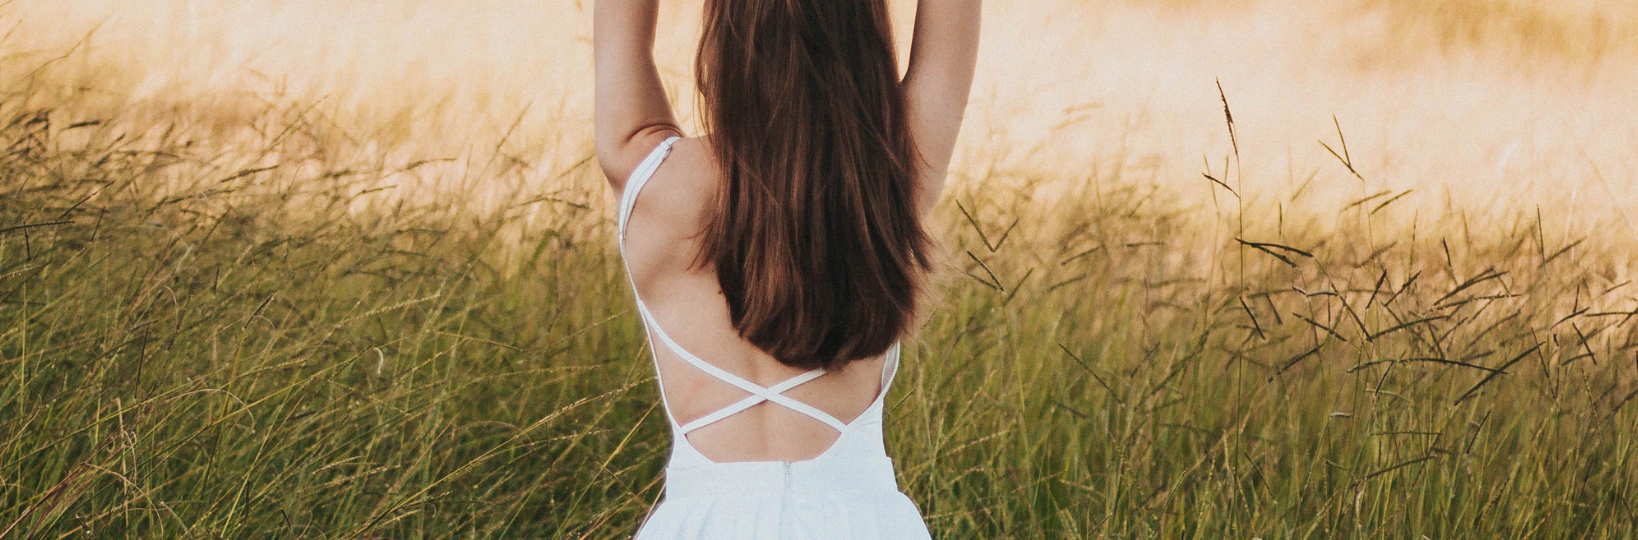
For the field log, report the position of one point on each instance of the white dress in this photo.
(849, 492)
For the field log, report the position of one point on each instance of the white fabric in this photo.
(848, 492)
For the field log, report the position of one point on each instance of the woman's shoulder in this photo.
(684, 186)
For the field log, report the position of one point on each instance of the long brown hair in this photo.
(815, 237)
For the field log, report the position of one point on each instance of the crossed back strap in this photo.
(759, 393)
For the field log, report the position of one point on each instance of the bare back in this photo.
(684, 304)
(661, 241)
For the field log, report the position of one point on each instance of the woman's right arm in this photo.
(937, 83)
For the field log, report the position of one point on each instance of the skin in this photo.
(634, 116)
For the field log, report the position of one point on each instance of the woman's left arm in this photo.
(633, 114)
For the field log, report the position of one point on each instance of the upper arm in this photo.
(937, 82)
(632, 112)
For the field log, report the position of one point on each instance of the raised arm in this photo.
(633, 114)
(937, 83)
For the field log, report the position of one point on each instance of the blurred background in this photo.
(1478, 105)
(346, 269)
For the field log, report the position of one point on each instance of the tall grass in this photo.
(240, 317)
(197, 350)
(1449, 97)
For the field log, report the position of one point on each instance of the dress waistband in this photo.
(763, 477)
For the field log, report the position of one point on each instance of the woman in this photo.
(778, 258)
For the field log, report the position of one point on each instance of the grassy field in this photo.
(307, 314)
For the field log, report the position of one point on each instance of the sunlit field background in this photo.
(1228, 269)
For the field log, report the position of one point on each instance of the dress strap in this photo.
(639, 178)
(628, 201)
(755, 389)
(890, 367)
(748, 402)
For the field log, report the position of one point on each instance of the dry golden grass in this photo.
(1477, 104)
(1574, 32)
(344, 270)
